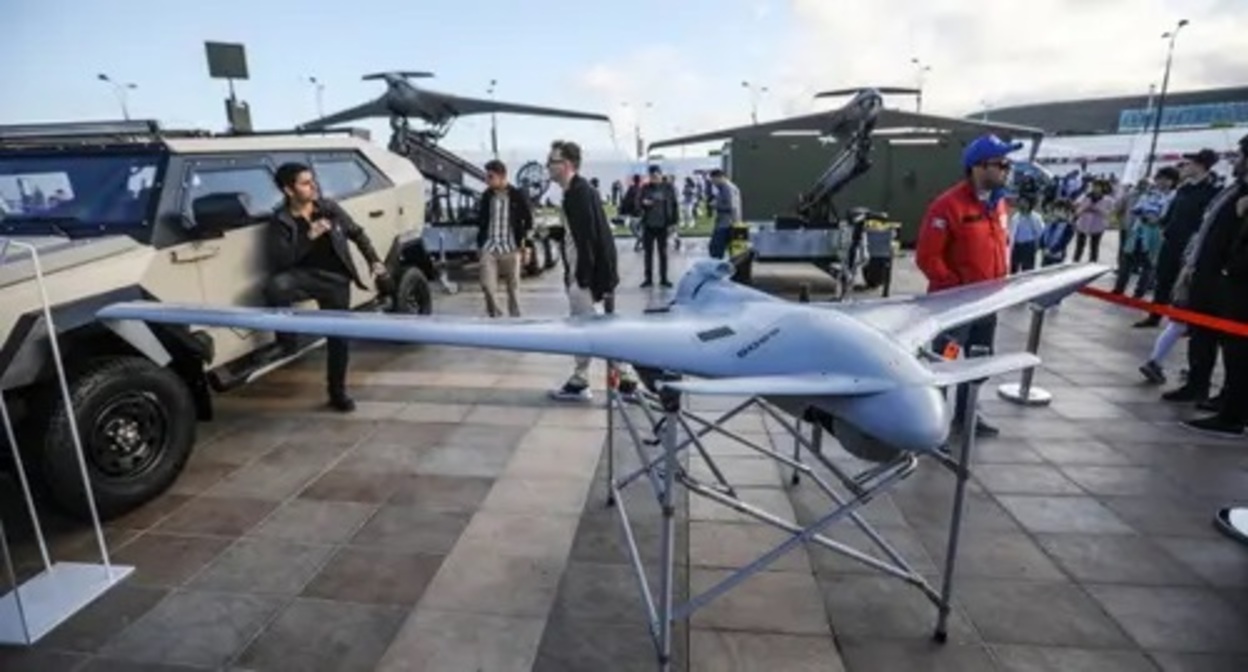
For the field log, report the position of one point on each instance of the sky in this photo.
(681, 63)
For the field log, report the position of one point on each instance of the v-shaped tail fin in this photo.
(957, 371)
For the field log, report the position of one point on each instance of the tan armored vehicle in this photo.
(126, 210)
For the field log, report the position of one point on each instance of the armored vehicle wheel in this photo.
(413, 294)
(136, 421)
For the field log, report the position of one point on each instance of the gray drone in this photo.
(856, 365)
(403, 101)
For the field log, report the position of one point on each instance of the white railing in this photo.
(31, 610)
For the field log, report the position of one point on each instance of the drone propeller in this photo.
(398, 74)
(879, 89)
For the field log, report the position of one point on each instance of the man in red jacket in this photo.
(964, 238)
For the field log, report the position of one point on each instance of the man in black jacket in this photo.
(504, 220)
(1180, 222)
(310, 259)
(660, 212)
(1228, 273)
(588, 252)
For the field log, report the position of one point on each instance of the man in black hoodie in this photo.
(589, 260)
(1180, 222)
(1219, 286)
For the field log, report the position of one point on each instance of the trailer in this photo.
(454, 188)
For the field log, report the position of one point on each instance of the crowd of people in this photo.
(1183, 242)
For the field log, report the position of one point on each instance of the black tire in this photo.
(413, 294)
(118, 394)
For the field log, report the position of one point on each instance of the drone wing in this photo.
(461, 106)
(661, 340)
(378, 107)
(916, 320)
(792, 385)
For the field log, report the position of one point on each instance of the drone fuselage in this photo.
(406, 101)
(775, 337)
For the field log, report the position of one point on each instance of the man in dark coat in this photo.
(1180, 223)
(1223, 280)
(587, 248)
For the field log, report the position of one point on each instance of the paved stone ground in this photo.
(456, 522)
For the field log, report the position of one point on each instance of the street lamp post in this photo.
(922, 69)
(1161, 99)
(120, 88)
(493, 122)
(754, 95)
(320, 95)
(637, 126)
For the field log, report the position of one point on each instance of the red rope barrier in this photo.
(1176, 314)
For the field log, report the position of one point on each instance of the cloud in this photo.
(1007, 51)
(660, 86)
(1001, 54)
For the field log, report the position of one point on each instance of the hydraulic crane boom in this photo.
(852, 127)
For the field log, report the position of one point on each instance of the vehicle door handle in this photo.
(376, 213)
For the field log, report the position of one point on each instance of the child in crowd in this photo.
(1142, 241)
(1057, 235)
(1026, 225)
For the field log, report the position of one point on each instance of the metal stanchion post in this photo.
(1023, 392)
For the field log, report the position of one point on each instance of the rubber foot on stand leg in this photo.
(610, 501)
(795, 480)
(940, 637)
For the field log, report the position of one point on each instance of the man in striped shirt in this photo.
(504, 220)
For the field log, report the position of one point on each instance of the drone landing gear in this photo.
(664, 461)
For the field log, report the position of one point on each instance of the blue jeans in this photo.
(719, 242)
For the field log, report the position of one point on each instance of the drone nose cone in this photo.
(913, 419)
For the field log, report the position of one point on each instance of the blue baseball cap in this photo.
(987, 147)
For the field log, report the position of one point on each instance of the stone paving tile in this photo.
(1095, 558)
(720, 651)
(1060, 659)
(879, 655)
(320, 635)
(194, 628)
(1048, 614)
(1181, 620)
(457, 521)
(445, 641)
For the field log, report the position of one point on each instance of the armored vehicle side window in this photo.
(254, 182)
(340, 177)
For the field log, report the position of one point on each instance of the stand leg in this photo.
(613, 387)
(797, 451)
(1023, 392)
(966, 444)
(611, 402)
(671, 408)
